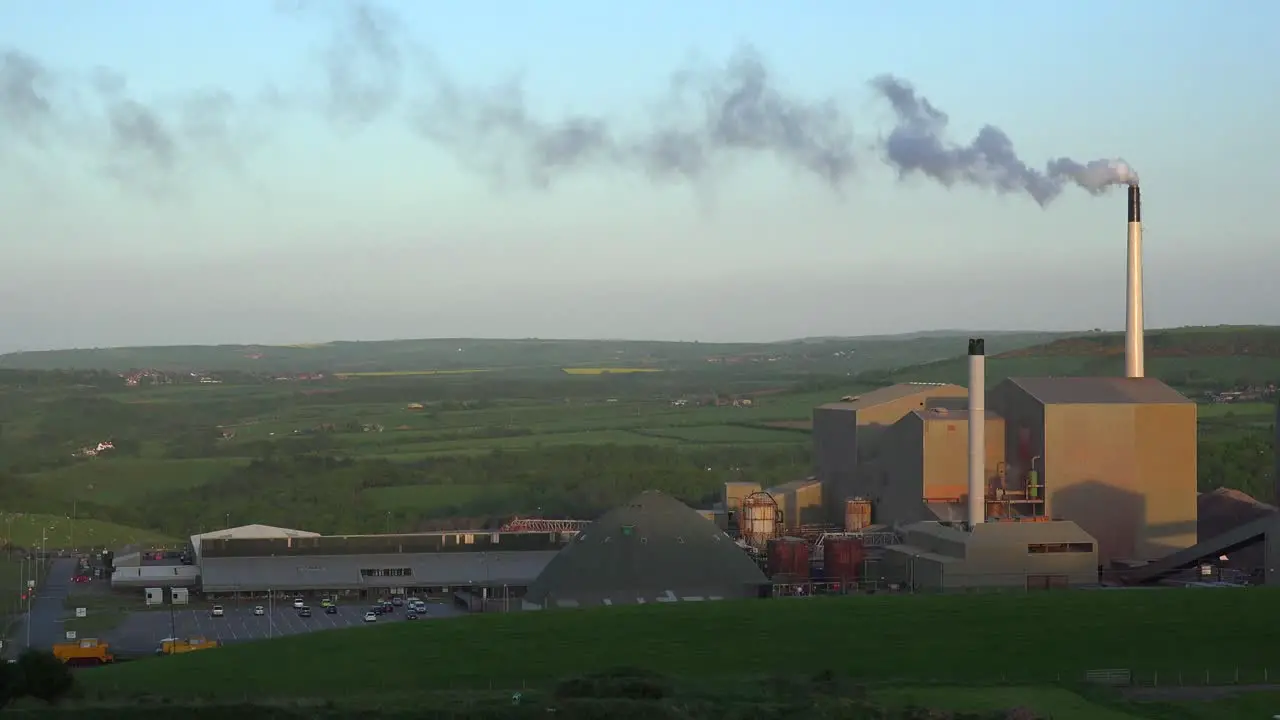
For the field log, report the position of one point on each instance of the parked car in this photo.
(371, 617)
(304, 611)
(331, 610)
(81, 579)
(298, 603)
(217, 611)
(259, 610)
(411, 615)
(397, 601)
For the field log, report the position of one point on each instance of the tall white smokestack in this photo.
(977, 431)
(1134, 360)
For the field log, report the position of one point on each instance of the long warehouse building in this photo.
(257, 559)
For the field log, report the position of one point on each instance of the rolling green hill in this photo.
(1191, 358)
(817, 355)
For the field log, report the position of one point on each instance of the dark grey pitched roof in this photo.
(1099, 390)
(653, 549)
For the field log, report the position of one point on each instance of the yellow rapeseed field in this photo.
(608, 370)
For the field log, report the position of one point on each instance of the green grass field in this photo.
(62, 533)
(427, 497)
(1027, 639)
(1250, 410)
(1053, 702)
(121, 481)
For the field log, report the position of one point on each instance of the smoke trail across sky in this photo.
(918, 143)
(370, 72)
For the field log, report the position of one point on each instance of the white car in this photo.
(298, 604)
(370, 617)
(259, 610)
(217, 611)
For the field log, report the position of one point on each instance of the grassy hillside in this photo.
(1192, 358)
(1004, 638)
(392, 356)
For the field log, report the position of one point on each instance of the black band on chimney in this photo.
(977, 346)
(1135, 204)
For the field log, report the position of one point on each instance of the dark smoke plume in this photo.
(709, 117)
(918, 143)
(25, 109)
(736, 109)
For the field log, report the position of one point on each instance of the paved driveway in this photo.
(48, 609)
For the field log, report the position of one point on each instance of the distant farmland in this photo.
(609, 370)
(406, 373)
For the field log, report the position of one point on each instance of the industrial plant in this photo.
(1036, 483)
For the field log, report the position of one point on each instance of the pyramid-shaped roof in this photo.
(653, 549)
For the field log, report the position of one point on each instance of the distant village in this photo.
(1249, 394)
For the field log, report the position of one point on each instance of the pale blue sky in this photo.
(298, 223)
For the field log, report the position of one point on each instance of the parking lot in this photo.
(142, 632)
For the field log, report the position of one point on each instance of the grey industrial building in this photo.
(1031, 555)
(653, 549)
(257, 559)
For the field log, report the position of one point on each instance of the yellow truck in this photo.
(84, 652)
(177, 646)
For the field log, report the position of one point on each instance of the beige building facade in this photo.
(1115, 455)
(1016, 555)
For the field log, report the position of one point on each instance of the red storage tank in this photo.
(842, 559)
(788, 558)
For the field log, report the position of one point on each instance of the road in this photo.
(48, 608)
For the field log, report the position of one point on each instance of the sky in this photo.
(248, 171)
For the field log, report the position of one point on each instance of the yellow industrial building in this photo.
(1115, 456)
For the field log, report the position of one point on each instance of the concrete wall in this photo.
(1125, 473)
(893, 481)
(1023, 414)
(995, 555)
(736, 491)
(946, 454)
(155, 576)
(850, 436)
(835, 453)
(800, 503)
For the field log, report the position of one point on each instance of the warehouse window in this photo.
(1041, 548)
(386, 572)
